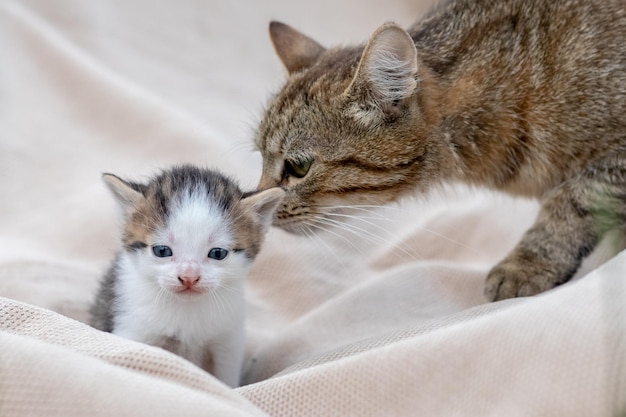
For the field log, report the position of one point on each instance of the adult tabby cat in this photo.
(523, 96)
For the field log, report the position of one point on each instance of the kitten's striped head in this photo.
(190, 227)
(335, 134)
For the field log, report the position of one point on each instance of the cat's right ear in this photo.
(296, 50)
(127, 194)
(387, 75)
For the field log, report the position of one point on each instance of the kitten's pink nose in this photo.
(189, 280)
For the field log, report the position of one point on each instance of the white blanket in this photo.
(382, 318)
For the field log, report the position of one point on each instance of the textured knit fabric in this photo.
(384, 317)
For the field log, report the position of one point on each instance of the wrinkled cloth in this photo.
(382, 315)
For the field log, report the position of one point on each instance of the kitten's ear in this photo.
(264, 204)
(127, 194)
(296, 50)
(387, 72)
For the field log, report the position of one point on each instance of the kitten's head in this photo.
(190, 230)
(336, 133)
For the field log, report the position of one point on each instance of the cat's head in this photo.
(191, 230)
(336, 133)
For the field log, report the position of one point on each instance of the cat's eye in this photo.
(161, 251)
(298, 168)
(218, 253)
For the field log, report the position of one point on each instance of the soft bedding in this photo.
(384, 317)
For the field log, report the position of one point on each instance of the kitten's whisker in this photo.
(227, 288)
(160, 297)
(212, 303)
(225, 302)
(230, 289)
(226, 305)
(217, 302)
(149, 287)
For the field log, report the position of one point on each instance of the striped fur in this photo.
(523, 96)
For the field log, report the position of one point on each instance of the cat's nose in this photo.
(189, 280)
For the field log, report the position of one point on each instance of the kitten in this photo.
(522, 96)
(189, 237)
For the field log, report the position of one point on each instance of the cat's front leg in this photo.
(571, 221)
(226, 356)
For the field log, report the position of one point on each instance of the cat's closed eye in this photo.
(218, 254)
(298, 169)
(161, 251)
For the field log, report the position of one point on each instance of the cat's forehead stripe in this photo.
(303, 99)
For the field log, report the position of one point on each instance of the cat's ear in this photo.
(296, 50)
(387, 73)
(264, 204)
(127, 194)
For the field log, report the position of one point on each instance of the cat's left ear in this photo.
(127, 194)
(264, 204)
(296, 50)
(387, 73)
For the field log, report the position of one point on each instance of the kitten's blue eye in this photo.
(218, 254)
(161, 251)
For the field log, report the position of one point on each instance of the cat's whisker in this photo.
(361, 217)
(369, 236)
(449, 239)
(420, 227)
(314, 237)
(328, 230)
(365, 208)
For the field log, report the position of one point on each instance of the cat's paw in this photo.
(511, 279)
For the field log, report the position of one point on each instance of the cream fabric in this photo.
(382, 318)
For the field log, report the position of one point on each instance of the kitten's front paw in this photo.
(511, 279)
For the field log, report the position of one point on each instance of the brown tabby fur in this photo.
(523, 96)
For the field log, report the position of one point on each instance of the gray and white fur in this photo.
(189, 237)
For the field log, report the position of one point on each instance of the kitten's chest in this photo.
(189, 321)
